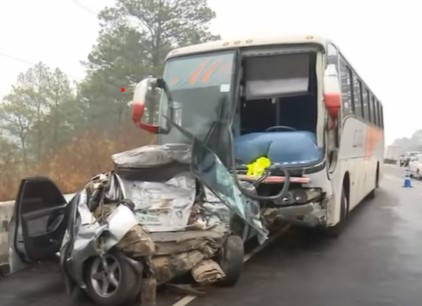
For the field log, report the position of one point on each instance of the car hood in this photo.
(202, 164)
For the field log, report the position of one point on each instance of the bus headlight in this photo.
(299, 196)
(305, 195)
(286, 200)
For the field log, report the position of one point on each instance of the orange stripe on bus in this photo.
(210, 71)
(193, 78)
(373, 137)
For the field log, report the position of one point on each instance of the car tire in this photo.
(113, 285)
(335, 231)
(237, 226)
(231, 260)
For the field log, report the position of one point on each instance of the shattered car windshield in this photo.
(215, 176)
(212, 173)
(200, 90)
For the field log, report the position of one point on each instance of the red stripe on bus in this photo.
(275, 179)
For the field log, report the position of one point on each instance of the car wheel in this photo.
(237, 226)
(231, 260)
(110, 280)
(335, 231)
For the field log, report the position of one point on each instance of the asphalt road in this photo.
(376, 262)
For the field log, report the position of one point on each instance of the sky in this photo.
(381, 39)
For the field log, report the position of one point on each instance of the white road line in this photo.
(388, 177)
(189, 298)
(392, 177)
(185, 300)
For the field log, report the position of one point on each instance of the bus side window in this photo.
(381, 114)
(377, 123)
(346, 88)
(357, 95)
(373, 116)
(366, 106)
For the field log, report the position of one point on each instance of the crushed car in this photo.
(147, 222)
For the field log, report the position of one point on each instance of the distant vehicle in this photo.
(402, 160)
(390, 161)
(392, 155)
(294, 101)
(413, 154)
(415, 166)
(409, 156)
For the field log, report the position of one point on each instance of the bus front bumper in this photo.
(309, 215)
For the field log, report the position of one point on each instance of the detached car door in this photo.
(38, 223)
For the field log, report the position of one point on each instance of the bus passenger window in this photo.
(377, 123)
(373, 116)
(366, 106)
(381, 114)
(346, 88)
(357, 96)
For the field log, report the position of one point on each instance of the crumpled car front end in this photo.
(146, 223)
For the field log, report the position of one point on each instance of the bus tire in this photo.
(371, 195)
(335, 231)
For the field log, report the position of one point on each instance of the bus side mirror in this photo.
(146, 104)
(332, 91)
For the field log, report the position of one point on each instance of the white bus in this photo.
(294, 103)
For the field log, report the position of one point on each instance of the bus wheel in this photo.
(371, 195)
(335, 231)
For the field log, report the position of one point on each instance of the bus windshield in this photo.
(200, 87)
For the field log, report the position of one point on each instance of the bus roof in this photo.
(248, 42)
